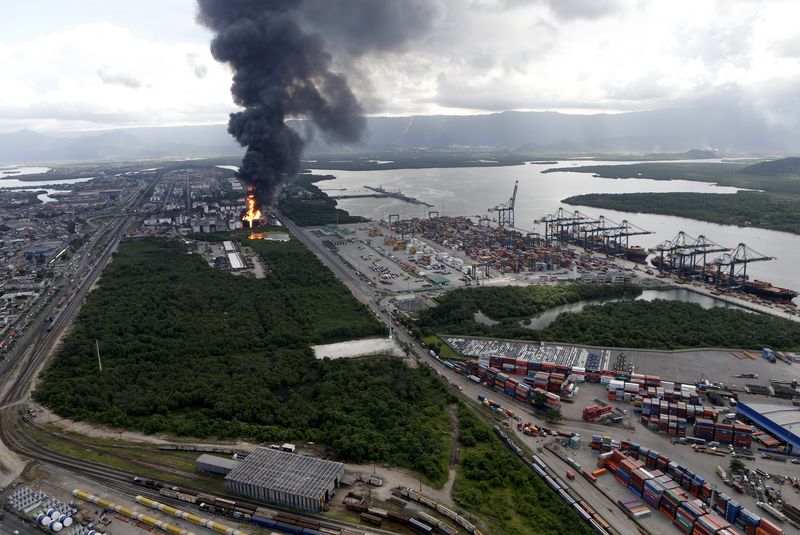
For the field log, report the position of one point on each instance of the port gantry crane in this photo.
(741, 256)
(620, 236)
(594, 233)
(682, 253)
(670, 250)
(505, 211)
(555, 223)
(702, 247)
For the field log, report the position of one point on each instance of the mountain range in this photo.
(667, 130)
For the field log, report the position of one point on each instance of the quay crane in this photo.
(673, 249)
(684, 252)
(741, 256)
(595, 232)
(621, 234)
(703, 246)
(554, 223)
(505, 211)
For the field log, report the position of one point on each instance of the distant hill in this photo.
(785, 166)
(724, 128)
(27, 146)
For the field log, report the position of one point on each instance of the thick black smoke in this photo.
(280, 53)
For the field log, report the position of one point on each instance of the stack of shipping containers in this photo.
(679, 494)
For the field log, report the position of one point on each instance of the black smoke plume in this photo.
(282, 67)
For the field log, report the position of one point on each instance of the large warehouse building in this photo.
(285, 478)
(780, 421)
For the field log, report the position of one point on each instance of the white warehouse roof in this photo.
(235, 260)
(287, 472)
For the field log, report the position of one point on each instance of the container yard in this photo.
(676, 444)
(679, 366)
(445, 253)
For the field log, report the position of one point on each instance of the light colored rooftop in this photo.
(787, 416)
(287, 472)
(214, 460)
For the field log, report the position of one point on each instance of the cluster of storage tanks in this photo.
(56, 521)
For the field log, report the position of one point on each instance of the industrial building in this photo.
(235, 261)
(284, 478)
(781, 421)
(215, 465)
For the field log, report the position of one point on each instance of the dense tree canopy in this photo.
(508, 305)
(657, 324)
(316, 208)
(494, 483)
(191, 350)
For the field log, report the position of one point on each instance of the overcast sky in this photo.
(94, 64)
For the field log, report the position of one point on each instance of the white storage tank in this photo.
(46, 521)
(56, 526)
(67, 521)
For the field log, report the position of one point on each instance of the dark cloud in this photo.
(111, 77)
(361, 26)
(281, 53)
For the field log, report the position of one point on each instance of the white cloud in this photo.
(101, 75)
(529, 54)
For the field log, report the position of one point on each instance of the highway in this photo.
(370, 296)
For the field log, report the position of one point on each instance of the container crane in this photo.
(684, 251)
(505, 211)
(594, 234)
(735, 265)
(554, 223)
(703, 247)
(620, 236)
(672, 249)
(574, 227)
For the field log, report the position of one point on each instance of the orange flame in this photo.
(253, 213)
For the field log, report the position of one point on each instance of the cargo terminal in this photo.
(677, 418)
